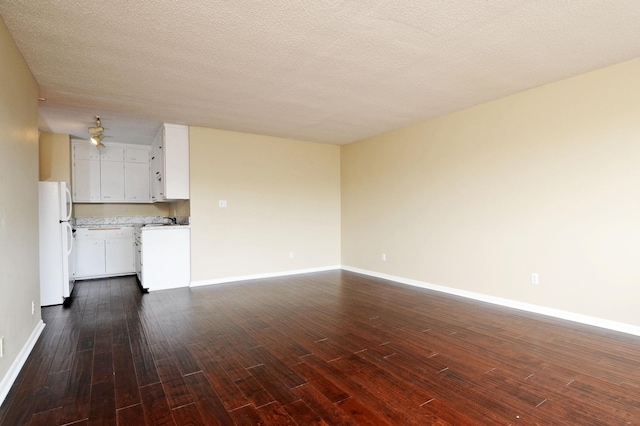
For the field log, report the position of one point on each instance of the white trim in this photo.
(261, 276)
(18, 363)
(556, 313)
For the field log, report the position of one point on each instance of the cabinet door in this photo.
(155, 165)
(89, 257)
(137, 254)
(112, 180)
(137, 155)
(112, 153)
(119, 256)
(136, 182)
(86, 180)
(175, 152)
(85, 151)
(166, 258)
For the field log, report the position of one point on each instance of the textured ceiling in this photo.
(325, 70)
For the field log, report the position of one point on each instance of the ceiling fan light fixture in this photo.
(96, 133)
(95, 130)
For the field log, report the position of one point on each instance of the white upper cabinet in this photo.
(118, 173)
(137, 155)
(170, 163)
(85, 151)
(136, 182)
(86, 180)
(112, 180)
(112, 153)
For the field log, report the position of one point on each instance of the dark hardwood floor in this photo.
(328, 348)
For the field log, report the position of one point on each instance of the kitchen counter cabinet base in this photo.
(166, 258)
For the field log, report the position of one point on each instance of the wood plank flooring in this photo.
(331, 348)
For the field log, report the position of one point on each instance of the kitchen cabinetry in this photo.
(165, 257)
(137, 253)
(136, 175)
(90, 260)
(104, 252)
(118, 173)
(119, 252)
(112, 180)
(112, 153)
(136, 180)
(86, 173)
(170, 163)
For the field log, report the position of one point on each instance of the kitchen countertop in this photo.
(137, 222)
(160, 226)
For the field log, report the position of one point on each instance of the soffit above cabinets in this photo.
(326, 70)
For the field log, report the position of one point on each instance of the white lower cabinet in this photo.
(166, 257)
(137, 254)
(104, 252)
(90, 261)
(119, 257)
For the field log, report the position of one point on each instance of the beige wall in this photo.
(109, 210)
(283, 195)
(19, 272)
(55, 157)
(545, 181)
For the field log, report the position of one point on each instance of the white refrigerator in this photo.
(56, 243)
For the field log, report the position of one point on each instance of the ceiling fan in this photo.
(97, 133)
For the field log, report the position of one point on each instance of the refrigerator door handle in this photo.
(68, 195)
(70, 234)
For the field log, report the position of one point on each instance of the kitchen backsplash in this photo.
(126, 220)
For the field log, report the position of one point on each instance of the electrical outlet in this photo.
(33, 307)
(384, 257)
(534, 279)
(1, 346)
(290, 255)
(222, 204)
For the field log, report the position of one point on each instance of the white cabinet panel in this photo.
(136, 182)
(112, 180)
(119, 173)
(137, 155)
(176, 162)
(104, 252)
(90, 260)
(112, 153)
(166, 258)
(85, 151)
(86, 180)
(170, 163)
(119, 256)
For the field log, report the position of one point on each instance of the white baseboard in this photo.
(261, 276)
(556, 313)
(14, 370)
